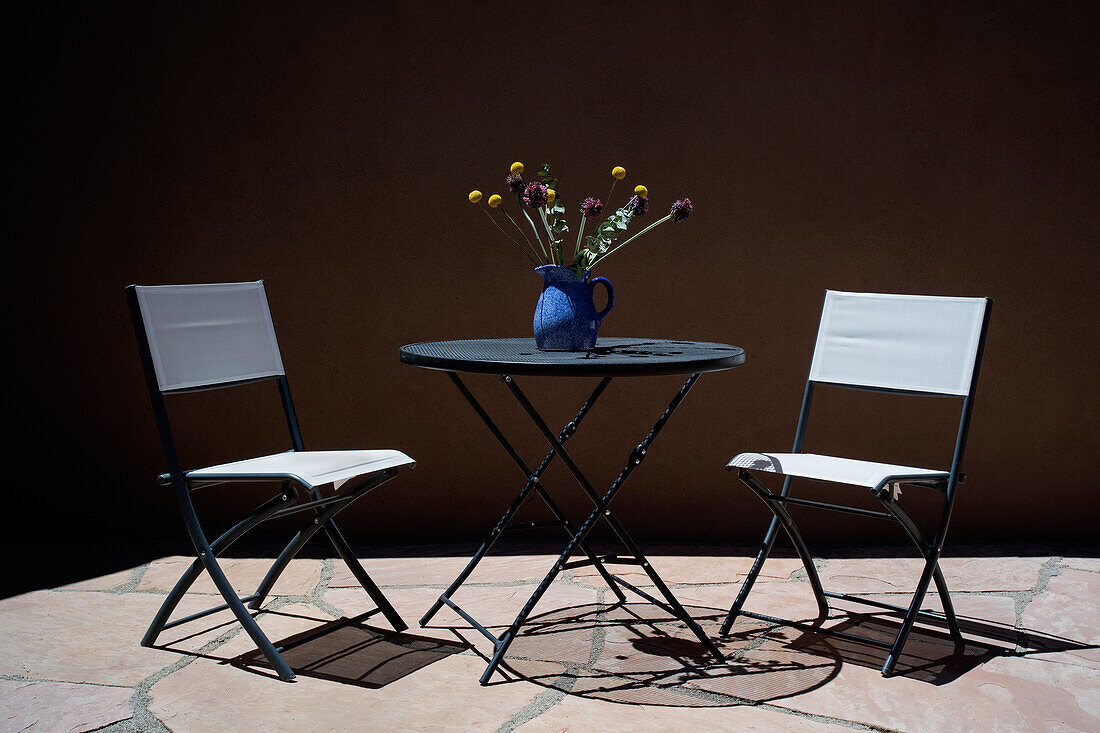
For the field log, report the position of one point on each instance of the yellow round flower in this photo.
(641, 191)
(551, 194)
(474, 196)
(494, 201)
(517, 167)
(618, 173)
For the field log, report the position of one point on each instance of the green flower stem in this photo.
(651, 226)
(555, 251)
(510, 237)
(580, 234)
(536, 231)
(607, 201)
(520, 229)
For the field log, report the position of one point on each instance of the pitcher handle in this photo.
(610, 296)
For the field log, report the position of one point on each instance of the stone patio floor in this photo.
(70, 658)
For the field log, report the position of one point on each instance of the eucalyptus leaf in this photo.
(547, 180)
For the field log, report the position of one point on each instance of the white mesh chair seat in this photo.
(311, 468)
(831, 468)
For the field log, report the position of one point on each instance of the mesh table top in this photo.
(612, 357)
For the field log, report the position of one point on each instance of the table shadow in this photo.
(640, 655)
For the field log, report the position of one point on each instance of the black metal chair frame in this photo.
(885, 492)
(284, 503)
(577, 537)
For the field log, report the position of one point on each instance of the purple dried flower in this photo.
(591, 206)
(535, 195)
(515, 183)
(638, 206)
(681, 209)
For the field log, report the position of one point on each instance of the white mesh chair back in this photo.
(204, 335)
(912, 343)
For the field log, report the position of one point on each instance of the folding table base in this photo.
(577, 537)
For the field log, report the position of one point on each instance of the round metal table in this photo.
(612, 357)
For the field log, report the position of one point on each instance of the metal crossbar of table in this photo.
(612, 357)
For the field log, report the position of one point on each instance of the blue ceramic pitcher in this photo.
(566, 317)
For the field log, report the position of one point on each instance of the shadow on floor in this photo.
(929, 655)
(353, 653)
(642, 656)
(343, 650)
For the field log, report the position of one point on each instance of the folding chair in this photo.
(901, 344)
(201, 337)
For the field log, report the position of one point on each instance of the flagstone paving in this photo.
(70, 658)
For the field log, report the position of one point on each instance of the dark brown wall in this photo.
(907, 147)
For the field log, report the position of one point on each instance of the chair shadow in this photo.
(343, 650)
(930, 655)
(354, 653)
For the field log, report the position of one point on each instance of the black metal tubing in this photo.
(473, 622)
(339, 501)
(602, 510)
(533, 482)
(795, 536)
(218, 546)
(607, 559)
(817, 629)
(206, 551)
(655, 601)
(773, 526)
(930, 550)
(320, 520)
(198, 615)
(830, 507)
(520, 526)
(915, 534)
(900, 610)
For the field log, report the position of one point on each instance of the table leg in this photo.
(602, 510)
(533, 482)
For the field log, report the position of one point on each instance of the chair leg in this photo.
(208, 559)
(930, 566)
(937, 575)
(289, 553)
(791, 529)
(750, 579)
(306, 533)
(360, 574)
(218, 546)
(324, 520)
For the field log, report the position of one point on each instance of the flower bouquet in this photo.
(566, 317)
(539, 200)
